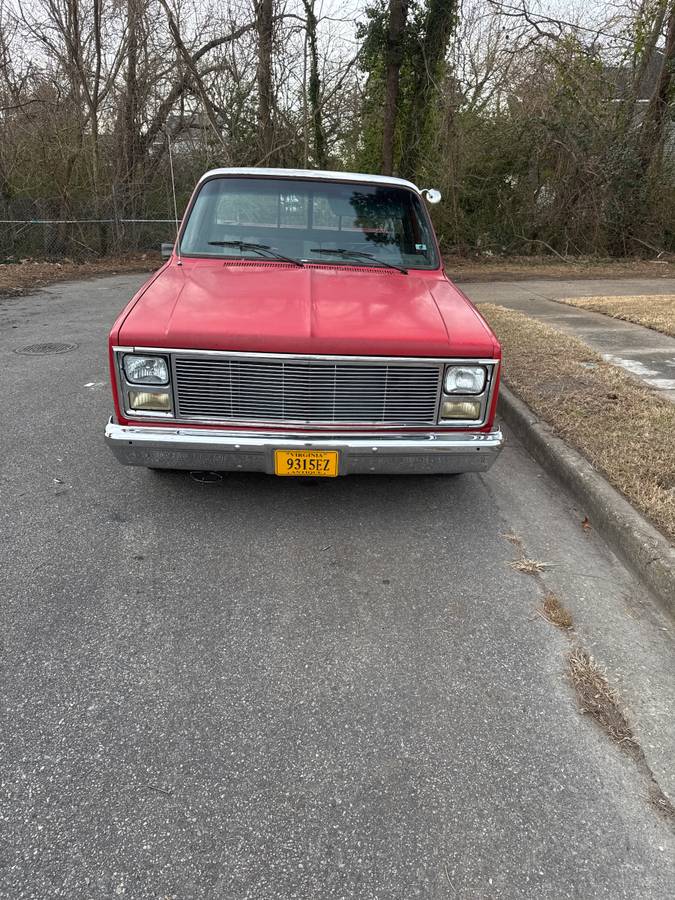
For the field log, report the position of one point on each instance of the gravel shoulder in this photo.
(17, 279)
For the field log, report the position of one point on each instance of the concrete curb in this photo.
(644, 549)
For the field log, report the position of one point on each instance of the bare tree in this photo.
(181, 80)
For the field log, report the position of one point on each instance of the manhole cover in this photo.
(45, 349)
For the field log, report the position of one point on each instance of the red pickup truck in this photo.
(303, 325)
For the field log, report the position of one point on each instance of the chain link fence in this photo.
(27, 234)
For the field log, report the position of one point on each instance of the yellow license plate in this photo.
(313, 463)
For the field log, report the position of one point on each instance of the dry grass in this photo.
(517, 268)
(528, 566)
(556, 613)
(656, 311)
(620, 426)
(27, 276)
(597, 697)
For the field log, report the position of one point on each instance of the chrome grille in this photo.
(259, 389)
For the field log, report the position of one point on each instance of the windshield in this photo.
(310, 220)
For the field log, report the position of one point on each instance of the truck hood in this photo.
(277, 308)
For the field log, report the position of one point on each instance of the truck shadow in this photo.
(342, 496)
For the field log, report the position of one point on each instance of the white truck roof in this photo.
(313, 173)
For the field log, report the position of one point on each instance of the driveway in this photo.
(258, 688)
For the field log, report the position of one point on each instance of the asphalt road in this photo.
(260, 688)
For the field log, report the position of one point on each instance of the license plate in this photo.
(313, 463)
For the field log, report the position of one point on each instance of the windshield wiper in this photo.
(258, 248)
(356, 254)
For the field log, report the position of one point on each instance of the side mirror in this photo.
(166, 250)
(431, 195)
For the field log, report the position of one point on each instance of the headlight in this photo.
(464, 379)
(152, 402)
(146, 369)
(460, 409)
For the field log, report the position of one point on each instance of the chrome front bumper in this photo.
(216, 450)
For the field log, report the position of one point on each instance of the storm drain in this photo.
(46, 349)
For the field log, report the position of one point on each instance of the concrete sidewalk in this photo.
(646, 354)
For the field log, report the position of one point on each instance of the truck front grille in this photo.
(321, 392)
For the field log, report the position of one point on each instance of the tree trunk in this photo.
(314, 87)
(264, 14)
(654, 123)
(398, 14)
(428, 71)
(130, 115)
(648, 48)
